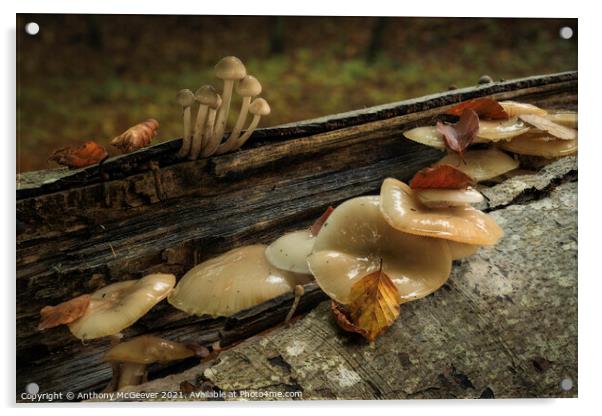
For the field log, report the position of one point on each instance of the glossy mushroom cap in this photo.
(514, 108)
(148, 349)
(541, 145)
(259, 107)
(207, 95)
(355, 239)
(232, 282)
(249, 86)
(440, 198)
(117, 306)
(290, 251)
(481, 165)
(402, 210)
(230, 68)
(185, 98)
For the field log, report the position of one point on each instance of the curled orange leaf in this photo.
(63, 313)
(440, 177)
(317, 225)
(341, 315)
(87, 154)
(486, 108)
(136, 137)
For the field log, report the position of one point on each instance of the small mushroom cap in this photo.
(249, 86)
(117, 306)
(404, 212)
(207, 95)
(541, 145)
(290, 251)
(259, 107)
(238, 279)
(514, 109)
(230, 68)
(438, 198)
(481, 165)
(148, 349)
(496, 130)
(185, 97)
(355, 239)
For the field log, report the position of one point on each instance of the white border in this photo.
(590, 287)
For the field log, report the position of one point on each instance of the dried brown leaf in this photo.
(486, 109)
(374, 303)
(136, 137)
(440, 177)
(459, 136)
(63, 313)
(344, 320)
(87, 154)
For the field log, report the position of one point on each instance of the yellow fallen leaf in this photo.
(373, 308)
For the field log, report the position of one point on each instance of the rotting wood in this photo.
(78, 239)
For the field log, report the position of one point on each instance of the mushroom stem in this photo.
(114, 383)
(222, 114)
(130, 374)
(210, 143)
(186, 134)
(197, 140)
(299, 291)
(230, 144)
(242, 139)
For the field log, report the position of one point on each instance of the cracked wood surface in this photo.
(503, 326)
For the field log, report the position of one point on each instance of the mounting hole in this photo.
(566, 384)
(32, 28)
(566, 32)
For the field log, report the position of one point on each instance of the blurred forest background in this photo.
(90, 77)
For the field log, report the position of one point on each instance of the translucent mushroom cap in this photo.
(259, 107)
(236, 280)
(355, 239)
(230, 68)
(249, 86)
(117, 306)
(185, 98)
(402, 210)
(290, 251)
(207, 95)
(148, 349)
(542, 145)
(481, 165)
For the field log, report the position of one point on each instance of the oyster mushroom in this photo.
(129, 359)
(440, 198)
(540, 145)
(481, 165)
(228, 69)
(117, 306)
(185, 98)
(564, 118)
(290, 251)
(356, 239)
(247, 88)
(234, 281)
(464, 224)
(207, 98)
(547, 126)
(514, 108)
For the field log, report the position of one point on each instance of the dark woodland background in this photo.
(89, 77)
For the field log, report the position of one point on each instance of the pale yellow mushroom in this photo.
(356, 239)
(247, 88)
(185, 98)
(130, 358)
(237, 280)
(514, 108)
(290, 251)
(440, 198)
(117, 306)
(564, 118)
(207, 98)
(546, 126)
(460, 250)
(229, 70)
(402, 210)
(481, 165)
(541, 145)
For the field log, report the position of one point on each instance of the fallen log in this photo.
(80, 230)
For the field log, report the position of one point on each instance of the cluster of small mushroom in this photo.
(204, 136)
(507, 126)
